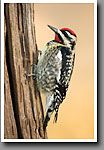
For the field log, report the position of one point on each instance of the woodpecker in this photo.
(54, 70)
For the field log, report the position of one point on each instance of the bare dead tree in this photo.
(23, 111)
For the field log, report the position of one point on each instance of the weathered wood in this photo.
(10, 130)
(20, 51)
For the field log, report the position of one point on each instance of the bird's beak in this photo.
(53, 29)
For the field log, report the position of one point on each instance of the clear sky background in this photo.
(76, 113)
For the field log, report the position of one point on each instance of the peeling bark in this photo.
(23, 115)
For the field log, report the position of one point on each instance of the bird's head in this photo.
(65, 35)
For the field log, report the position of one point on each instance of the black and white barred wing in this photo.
(64, 76)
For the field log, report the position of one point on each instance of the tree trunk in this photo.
(23, 111)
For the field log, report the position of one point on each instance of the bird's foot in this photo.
(39, 52)
(33, 75)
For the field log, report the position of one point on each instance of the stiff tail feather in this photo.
(47, 118)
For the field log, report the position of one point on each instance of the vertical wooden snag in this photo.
(23, 111)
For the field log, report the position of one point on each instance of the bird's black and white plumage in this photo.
(54, 70)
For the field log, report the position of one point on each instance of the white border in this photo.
(95, 71)
(47, 1)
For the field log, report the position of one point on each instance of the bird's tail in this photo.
(47, 118)
(51, 109)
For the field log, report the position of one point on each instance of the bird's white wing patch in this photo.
(58, 58)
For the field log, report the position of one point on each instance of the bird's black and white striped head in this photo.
(65, 36)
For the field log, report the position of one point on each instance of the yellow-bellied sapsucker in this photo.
(54, 70)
